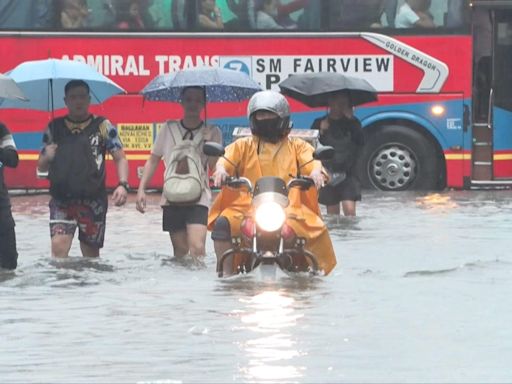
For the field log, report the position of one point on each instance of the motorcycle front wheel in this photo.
(298, 260)
(243, 261)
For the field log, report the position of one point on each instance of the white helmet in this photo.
(270, 129)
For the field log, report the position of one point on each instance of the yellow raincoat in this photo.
(255, 159)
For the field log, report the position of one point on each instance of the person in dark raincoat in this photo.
(8, 158)
(341, 130)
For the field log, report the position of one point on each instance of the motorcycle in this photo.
(266, 240)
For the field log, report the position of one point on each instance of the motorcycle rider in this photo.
(270, 152)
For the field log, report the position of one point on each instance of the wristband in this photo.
(125, 185)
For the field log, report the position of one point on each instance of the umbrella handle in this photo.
(51, 106)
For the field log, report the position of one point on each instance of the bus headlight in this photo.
(270, 216)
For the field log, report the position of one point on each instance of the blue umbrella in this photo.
(221, 85)
(43, 81)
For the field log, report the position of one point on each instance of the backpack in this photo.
(74, 173)
(184, 177)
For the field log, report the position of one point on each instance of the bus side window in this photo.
(102, 14)
(455, 15)
(26, 15)
(209, 16)
(431, 14)
(284, 14)
(168, 15)
(309, 20)
(72, 14)
(137, 15)
(133, 15)
(237, 14)
(414, 14)
(361, 14)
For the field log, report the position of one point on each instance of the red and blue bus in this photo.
(444, 112)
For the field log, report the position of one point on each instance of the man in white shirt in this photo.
(414, 13)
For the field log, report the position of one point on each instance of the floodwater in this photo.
(421, 294)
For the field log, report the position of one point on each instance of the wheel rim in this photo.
(393, 167)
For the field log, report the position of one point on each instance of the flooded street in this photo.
(421, 293)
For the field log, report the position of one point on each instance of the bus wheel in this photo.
(397, 158)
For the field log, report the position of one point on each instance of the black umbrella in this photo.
(314, 89)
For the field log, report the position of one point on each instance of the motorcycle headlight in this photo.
(270, 216)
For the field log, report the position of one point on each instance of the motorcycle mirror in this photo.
(213, 149)
(323, 153)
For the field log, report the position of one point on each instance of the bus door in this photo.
(501, 94)
(492, 105)
(482, 148)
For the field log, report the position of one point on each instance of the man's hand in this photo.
(140, 204)
(318, 178)
(219, 176)
(324, 126)
(119, 196)
(49, 151)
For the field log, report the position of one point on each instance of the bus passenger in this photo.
(209, 16)
(341, 130)
(8, 158)
(414, 13)
(128, 15)
(266, 14)
(186, 223)
(73, 14)
(74, 154)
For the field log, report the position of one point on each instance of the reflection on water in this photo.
(268, 315)
(420, 294)
(437, 202)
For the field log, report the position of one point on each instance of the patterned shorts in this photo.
(89, 215)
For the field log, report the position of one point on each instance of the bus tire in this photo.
(398, 158)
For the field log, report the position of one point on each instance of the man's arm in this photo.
(115, 148)
(425, 21)
(121, 162)
(216, 137)
(147, 175)
(121, 192)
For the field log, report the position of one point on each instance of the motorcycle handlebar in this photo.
(303, 182)
(237, 182)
